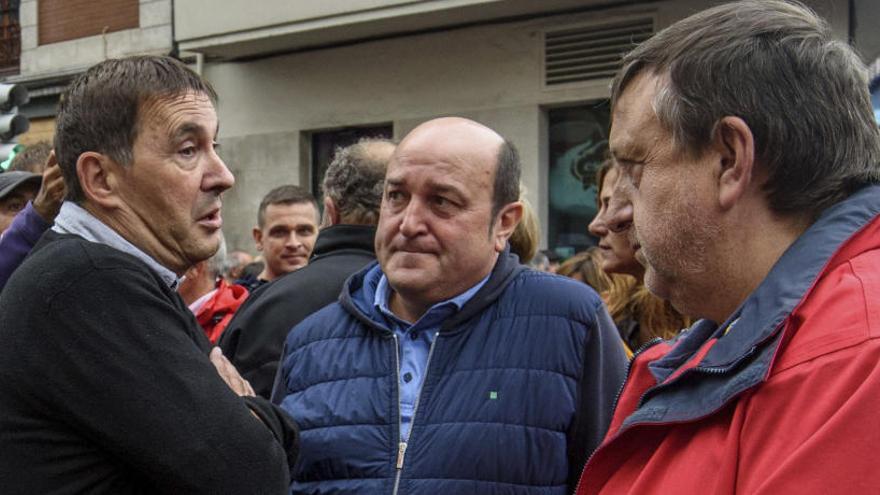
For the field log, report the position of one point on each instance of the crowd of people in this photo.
(407, 335)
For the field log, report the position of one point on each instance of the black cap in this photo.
(10, 181)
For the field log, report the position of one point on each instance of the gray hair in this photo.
(217, 263)
(803, 94)
(354, 180)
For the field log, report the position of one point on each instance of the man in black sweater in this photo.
(107, 383)
(352, 194)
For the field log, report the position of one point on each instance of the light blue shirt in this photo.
(73, 219)
(414, 344)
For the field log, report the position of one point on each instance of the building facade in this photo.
(59, 39)
(297, 79)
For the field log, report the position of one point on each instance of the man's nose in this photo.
(218, 178)
(413, 222)
(619, 215)
(293, 240)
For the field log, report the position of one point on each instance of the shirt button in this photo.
(407, 377)
(413, 335)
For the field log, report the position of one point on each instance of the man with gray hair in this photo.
(209, 296)
(352, 194)
(749, 174)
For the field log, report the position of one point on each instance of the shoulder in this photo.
(840, 313)
(537, 292)
(61, 263)
(328, 323)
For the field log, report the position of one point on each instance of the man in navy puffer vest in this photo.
(448, 367)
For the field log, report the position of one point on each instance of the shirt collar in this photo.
(74, 219)
(383, 296)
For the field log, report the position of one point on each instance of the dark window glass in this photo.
(578, 142)
(10, 37)
(325, 143)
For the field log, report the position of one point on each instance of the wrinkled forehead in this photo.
(633, 117)
(464, 172)
(164, 110)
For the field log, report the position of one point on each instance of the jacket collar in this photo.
(759, 320)
(359, 293)
(340, 237)
(76, 220)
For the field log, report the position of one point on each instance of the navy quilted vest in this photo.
(495, 409)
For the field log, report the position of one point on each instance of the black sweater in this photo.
(106, 387)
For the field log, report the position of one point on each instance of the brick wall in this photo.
(41, 129)
(62, 20)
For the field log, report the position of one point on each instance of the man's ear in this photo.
(194, 271)
(505, 223)
(736, 146)
(258, 238)
(331, 214)
(99, 178)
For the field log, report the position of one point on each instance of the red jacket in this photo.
(787, 401)
(216, 312)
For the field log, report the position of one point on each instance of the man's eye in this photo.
(188, 152)
(15, 206)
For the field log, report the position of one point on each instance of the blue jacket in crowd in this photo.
(518, 391)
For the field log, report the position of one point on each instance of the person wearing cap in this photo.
(28, 206)
(16, 189)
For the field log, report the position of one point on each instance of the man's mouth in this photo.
(211, 220)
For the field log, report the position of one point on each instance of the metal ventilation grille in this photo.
(591, 52)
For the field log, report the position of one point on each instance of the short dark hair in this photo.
(285, 195)
(354, 181)
(507, 173)
(33, 158)
(776, 65)
(100, 111)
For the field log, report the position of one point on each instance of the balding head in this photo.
(354, 180)
(440, 195)
(457, 136)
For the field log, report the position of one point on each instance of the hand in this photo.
(230, 375)
(52, 191)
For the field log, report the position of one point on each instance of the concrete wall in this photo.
(154, 36)
(867, 29)
(491, 73)
(202, 18)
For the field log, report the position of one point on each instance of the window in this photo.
(10, 37)
(63, 20)
(578, 140)
(325, 143)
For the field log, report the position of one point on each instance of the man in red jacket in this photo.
(749, 168)
(209, 296)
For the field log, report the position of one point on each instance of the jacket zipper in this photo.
(644, 347)
(401, 447)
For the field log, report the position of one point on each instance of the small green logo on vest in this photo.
(493, 395)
